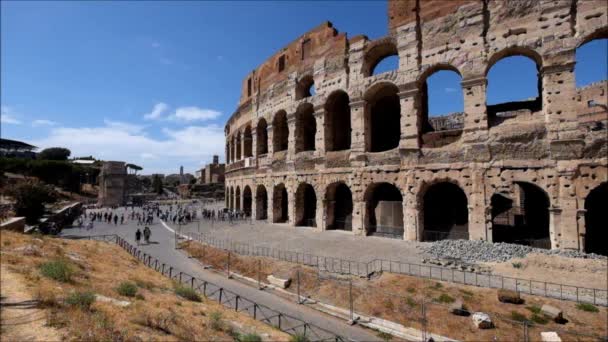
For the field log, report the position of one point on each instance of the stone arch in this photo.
(280, 132)
(305, 87)
(384, 210)
(382, 117)
(306, 128)
(261, 202)
(306, 205)
(596, 224)
(440, 130)
(280, 206)
(601, 33)
(261, 132)
(339, 206)
(238, 145)
(231, 198)
(248, 140)
(237, 199)
(583, 72)
(247, 200)
(228, 160)
(443, 211)
(337, 121)
(376, 52)
(534, 105)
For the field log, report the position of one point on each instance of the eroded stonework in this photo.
(337, 159)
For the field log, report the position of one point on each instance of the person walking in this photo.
(138, 236)
(147, 233)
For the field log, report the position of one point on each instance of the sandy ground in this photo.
(22, 323)
(588, 273)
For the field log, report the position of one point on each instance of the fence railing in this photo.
(231, 300)
(365, 269)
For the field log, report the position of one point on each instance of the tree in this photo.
(54, 153)
(134, 167)
(30, 199)
(157, 184)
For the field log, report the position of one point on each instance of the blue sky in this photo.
(153, 83)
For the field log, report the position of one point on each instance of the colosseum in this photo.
(320, 140)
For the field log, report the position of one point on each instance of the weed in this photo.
(299, 338)
(6, 242)
(534, 309)
(144, 284)
(587, 307)
(187, 293)
(83, 300)
(127, 289)
(139, 296)
(445, 298)
(388, 304)
(215, 321)
(437, 286)
(252, 337)
(411, 302)
(411, 290)
(516, 316)
(539, 319)
(384, 336)
(517, 265)
(57, 269)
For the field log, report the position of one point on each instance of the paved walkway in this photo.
(162, 247)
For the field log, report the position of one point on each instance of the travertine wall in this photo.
(112, 184)
(558, 144)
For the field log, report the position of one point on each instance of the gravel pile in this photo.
(481, 251)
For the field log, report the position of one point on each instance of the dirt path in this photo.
(20, 318)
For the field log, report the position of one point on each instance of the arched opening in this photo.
(384, 211)
(511, 94)
(521, 217)
(442, 107)
(306, 128)
(591, 60)
(261, 203)
(280, 132)
(227, 153)
(237, 203)
(247, 200)
(280, 204)
(231, 207)
(446, 214)
(339, 207)
(227, 198)
(382, 118)
(248, 142)
(337, 122)
(306, 206)
(305, 87)
(381, 57)
(238, 146)
(596, 225)
(262, 137)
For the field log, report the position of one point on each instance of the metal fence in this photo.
(284, 322)
(365, 269)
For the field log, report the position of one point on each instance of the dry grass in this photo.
(398, 298)
(155, 313)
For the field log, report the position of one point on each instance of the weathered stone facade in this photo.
(338, 159)
(112, 184)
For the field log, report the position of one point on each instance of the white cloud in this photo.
(194, 114)
(8, 116)
(130, 143)
(157, 111)
(42, 122)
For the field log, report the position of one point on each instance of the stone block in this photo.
(552, 312)
(280, 282)
(457, 308)
(509, 296)
(482, 320)
(550, 336)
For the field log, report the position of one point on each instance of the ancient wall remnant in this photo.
(112, 184)
(360, 152)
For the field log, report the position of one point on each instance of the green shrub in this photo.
(437, 286)
(127, 289)
(83, 300)
(539, 319)
(249, 338)
(445, 298)
(299, 338)
(534, 309)
(517, 265)
(516, 316)
(58, 269)
(587, 307)
(215, 320)
(187, 293)
(411, 290)
(411, 302)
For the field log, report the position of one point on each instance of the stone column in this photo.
(410, 213)
(358, 134)
(320, 134)
(270, 212)
(291, 140)
(567, 232)
(291, 205)
(359, 218)
(476, 117)
(582, 229)
(227, 151)
(254, 141)
(320, 212)
(410, 122)
(234, 148)
(477, 207)
(555, 214)
(242, 134)
(270, 142)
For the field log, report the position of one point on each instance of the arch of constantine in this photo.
(320, 140)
